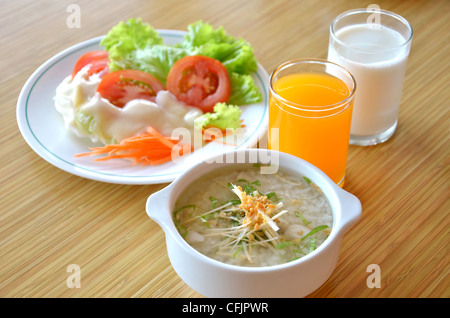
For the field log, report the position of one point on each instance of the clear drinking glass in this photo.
(310, 111)
(374, 46)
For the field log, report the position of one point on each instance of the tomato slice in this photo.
(120, 87)
(199, 81)
(97, 59)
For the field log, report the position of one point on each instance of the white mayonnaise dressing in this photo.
(117, 123)
(72, 94)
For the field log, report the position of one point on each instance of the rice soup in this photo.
(245, 218)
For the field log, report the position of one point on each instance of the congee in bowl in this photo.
(247, 218)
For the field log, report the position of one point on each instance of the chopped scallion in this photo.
(205, 222)
(273, 196)
(213, 201)
(256, 183)
(312, 245)
(235, 201)
(284, 244)
(305, 222)
(238, 250)
(192, 206)
(315, 230)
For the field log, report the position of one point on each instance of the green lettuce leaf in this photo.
(224, 116)
(243, 90)
(125, 38)
(200, 33)
(235, 53)
(157, 60)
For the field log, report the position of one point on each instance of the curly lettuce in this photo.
(224, 116)
(136, 45)
(125, 38)
(234, 53)
(157, 60)
(243, 90)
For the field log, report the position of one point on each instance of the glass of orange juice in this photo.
(310, 112)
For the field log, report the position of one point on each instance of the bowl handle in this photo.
(351, 209)
(156, 207)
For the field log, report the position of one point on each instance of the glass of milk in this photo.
(374, 45)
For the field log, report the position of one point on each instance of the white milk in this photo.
(378, 70)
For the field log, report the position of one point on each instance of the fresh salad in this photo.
(133, 94)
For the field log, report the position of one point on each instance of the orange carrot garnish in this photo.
(149, 148)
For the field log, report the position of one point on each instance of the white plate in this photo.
(43, 127)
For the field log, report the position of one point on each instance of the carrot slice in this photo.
(149, 148)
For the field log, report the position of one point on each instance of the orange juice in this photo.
(312, 112)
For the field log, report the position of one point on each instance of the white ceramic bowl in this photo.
(212, 278)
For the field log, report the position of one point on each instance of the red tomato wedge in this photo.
(199, 81)
(120, 87)
(97, 59)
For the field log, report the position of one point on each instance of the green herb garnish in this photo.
(284, 244)
(305, 222)
(315, 230)
(192, 206)
(312, 245)
(235, 201)
(205, 221)
(238, 250)
(213, 201)
(273, 196)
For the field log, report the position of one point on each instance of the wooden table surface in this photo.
(50, 219)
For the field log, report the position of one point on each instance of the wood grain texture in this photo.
(50, 219)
